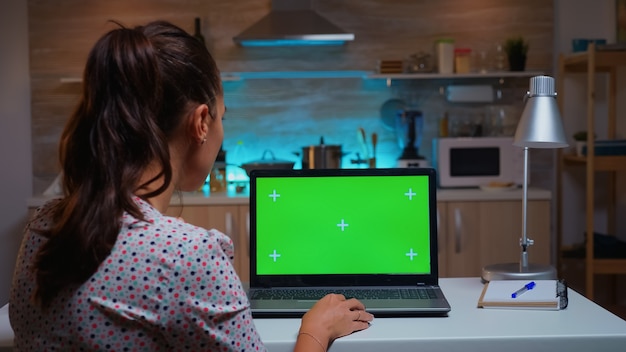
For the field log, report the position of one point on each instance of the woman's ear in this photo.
(199, 126)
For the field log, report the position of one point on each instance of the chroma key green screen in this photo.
(343, 225)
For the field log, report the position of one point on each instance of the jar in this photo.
(462, 60)
(445, 55)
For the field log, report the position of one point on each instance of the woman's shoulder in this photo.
(167, 230)
(42, 217)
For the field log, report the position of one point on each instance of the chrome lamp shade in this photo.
(540, 127)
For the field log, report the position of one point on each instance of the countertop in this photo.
(230, 197)
(582, 326)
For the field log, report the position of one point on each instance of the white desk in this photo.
(583, 326)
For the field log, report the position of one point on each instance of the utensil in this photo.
(363, 142)
(374, 142)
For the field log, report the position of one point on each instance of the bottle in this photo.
(198, 31)
(443, 125)
(217, 182)
(236, 158)
(499, 58)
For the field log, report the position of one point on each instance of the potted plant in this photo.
(580, 138)
(516, 49)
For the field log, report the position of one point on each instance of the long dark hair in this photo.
(138, 85)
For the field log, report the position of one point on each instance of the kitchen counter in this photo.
(231, 197)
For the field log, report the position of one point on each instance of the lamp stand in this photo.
(522, 270)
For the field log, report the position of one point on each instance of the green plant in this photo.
(581, 136)
(516, 46)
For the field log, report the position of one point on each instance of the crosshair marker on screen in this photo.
(274, 195)
(274, 255)
(343, 225)
(411, 254)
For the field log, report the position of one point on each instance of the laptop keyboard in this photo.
(315, 294)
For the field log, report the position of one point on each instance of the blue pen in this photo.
(528, 286)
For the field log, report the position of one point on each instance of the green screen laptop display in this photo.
(348, 224)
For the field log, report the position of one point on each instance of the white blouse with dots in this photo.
(166, 286)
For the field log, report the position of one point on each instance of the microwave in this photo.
(474, 162)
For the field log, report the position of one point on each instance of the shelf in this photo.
(239, 76)
(592, 62)
(71, 80)
(501, 74)
(600, 163)
(609, 266)
(604, 61)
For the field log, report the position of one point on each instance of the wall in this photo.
(286, 114)
(15, 141)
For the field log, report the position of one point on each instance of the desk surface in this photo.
(583, 326)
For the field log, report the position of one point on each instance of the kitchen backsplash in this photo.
(284, 115)
(335, 108)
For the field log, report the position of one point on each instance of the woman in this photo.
(102, 268)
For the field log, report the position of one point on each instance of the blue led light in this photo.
(290, 42)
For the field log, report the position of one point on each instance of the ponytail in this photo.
(137, 85)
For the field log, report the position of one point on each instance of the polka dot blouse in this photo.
(166, 286)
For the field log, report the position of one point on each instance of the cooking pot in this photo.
(267, 164)
(322, 156)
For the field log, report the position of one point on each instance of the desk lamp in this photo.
(539, 127)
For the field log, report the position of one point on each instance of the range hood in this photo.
(291, 23)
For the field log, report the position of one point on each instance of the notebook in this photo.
(366, 233)
(524, 294)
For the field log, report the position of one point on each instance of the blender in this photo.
(409, 124)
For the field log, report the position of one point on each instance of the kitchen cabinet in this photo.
(592, 62)
(232, 220)
(473, 234)
(475, 228)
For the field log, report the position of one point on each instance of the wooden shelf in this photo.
(609, 266)
(604, 61)
(600, 163)
(591, 62)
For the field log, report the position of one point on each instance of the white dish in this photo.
(488, 188)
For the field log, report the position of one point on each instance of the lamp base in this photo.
(511, 271)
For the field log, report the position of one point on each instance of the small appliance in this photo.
(409, 125)
(477, 161)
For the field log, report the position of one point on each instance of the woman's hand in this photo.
(331, 317)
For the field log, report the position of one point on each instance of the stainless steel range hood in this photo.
(292, 22)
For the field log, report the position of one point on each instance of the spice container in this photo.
(462, 60)
(445, 55)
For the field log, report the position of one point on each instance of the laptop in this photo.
(366, 233)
